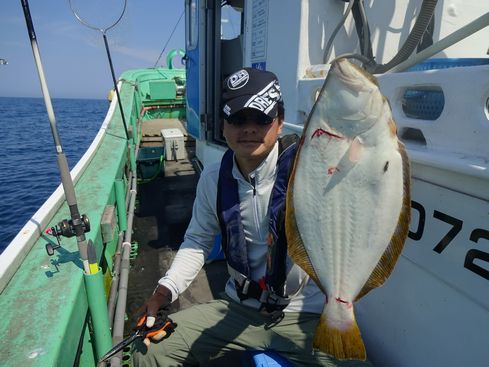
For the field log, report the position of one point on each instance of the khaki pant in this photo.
(217, 333)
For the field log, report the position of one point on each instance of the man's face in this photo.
(250, 137)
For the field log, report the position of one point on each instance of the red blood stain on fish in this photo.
(332, 170)
(348, 304)
(318, 132)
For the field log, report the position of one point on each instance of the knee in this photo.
(143, 356)
(162, 354)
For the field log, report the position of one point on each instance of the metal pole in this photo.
(118, 326)
(115, 85)
(103, 31)
(122, 203)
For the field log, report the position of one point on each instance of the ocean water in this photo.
(28, 168)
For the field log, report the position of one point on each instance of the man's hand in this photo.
(161, 298)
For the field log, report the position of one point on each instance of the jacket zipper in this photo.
(252, 182)
(255, 206)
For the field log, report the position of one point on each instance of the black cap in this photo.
(251, 88)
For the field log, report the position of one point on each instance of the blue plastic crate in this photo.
(423, 104)
(441, 63)
(428, 104)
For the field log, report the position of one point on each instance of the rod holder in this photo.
(132, 157)
(120, 198)
(94, 285)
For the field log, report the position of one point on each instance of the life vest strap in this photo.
(248, 288)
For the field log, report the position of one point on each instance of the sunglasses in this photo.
(250, 115)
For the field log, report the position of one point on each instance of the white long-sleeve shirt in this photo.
(204, 226)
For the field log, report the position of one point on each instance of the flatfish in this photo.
(348, 201)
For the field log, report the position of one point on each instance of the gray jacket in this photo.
(204, 226)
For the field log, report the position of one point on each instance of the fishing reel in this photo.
(66, 229)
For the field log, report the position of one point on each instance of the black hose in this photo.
(363, 30)
(329, 45)
(420, 26)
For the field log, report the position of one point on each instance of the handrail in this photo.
(120, 310)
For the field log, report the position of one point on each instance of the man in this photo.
(270, 303)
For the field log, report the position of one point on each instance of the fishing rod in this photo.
(78, 224)
(104, 34)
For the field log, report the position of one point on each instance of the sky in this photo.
(73, 56)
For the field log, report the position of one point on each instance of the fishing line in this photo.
(169, 38)
(104, 30)
(66, 180)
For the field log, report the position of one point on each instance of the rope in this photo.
(169, 38)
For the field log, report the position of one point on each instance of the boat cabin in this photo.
(434, 309)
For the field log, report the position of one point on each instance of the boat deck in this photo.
(163, 211)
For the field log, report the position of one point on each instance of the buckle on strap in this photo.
(272, 299)
(250, 289)
(245, 286)
(275, 318)
(237, 276)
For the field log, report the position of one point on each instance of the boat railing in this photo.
(19, 247)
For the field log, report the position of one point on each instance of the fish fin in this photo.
(393, 251)
(295, 246)
(392, 124)
(340, 342)
(356, 150)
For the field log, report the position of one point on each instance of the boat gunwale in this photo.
(16, 251)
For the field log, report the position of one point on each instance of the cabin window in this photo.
(231, 38)
(192, 24)
(230, 22)
(231, 50)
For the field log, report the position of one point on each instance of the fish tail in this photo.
(338, 333)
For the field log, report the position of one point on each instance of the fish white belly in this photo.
(348, 201)
(353, 207)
